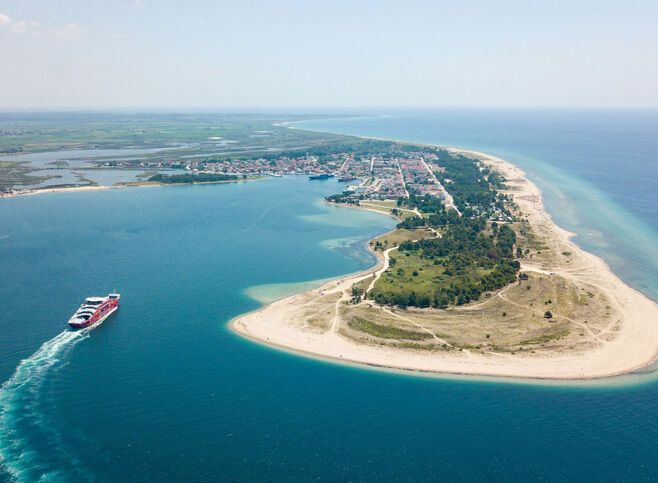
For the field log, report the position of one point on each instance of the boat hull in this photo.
(88, 323)
(94, 311)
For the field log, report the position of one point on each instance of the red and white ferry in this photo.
(94, 310)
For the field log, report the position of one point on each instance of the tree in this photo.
(442, 300)
(357, 294)
(548, 314)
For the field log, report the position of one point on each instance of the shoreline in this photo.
(138, 184)
(634, 346)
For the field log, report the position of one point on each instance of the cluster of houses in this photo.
(419, 178)
(274, 167)
(375, 177)
(390, 178)
(380, 178)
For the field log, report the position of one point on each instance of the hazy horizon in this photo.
(250, 56)
(339, 111)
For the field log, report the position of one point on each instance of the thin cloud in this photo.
(18, 26)
(5, 20)
(72, 31)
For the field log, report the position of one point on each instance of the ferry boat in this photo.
(322, 176)
(94, 310)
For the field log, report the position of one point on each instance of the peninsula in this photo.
(476, 280)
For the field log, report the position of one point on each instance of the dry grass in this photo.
(511, 320)
(396, 237)
(386, 206)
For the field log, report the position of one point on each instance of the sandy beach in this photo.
(627, 342)
(143, 184)
(68, 189)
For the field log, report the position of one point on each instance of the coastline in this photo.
(138, 184)
(633, 340)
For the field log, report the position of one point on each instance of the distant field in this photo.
(13, 174)
(172, 137)
(197, 133)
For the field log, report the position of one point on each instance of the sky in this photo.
(337, 54)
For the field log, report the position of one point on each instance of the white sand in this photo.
(634, 345)
(138, 184)
(68, 189)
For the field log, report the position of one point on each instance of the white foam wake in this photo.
(20, 414)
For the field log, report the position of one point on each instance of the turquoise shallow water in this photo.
(164, 391)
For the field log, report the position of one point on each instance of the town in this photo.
(375, 177)
(371, 170)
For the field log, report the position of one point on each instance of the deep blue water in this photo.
(164, 391)
(163, 378)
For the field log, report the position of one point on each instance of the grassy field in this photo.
(385, 206)
(16, 174)
(386, 331)
(409, 272)
(194, 133)
(396, 237)
(511, 321)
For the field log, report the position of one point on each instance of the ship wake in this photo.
(26, 437)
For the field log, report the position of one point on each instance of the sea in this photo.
(164, 391)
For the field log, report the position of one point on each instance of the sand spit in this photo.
(628, 342)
